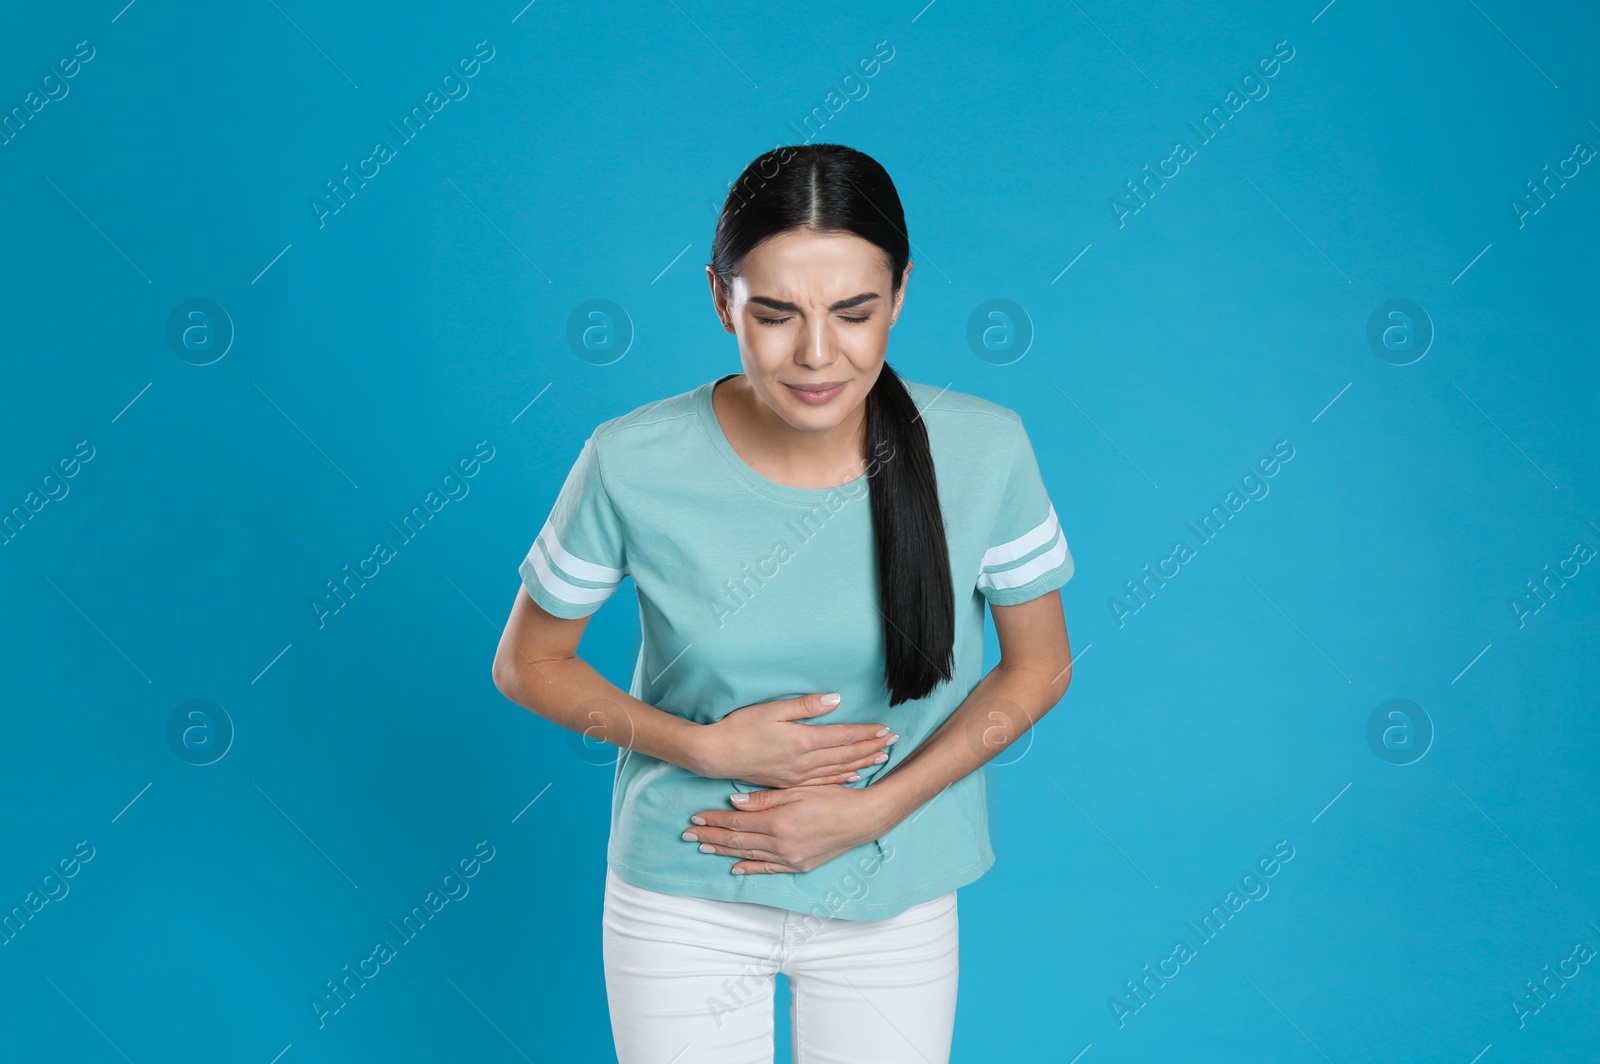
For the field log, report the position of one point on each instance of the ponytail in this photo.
(914, 589)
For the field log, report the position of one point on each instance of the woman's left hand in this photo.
(794, 829)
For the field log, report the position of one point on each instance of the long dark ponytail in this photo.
(832, 188)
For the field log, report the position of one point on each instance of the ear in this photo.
(719, 299)
(900, 296)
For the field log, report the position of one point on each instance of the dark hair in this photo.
(832, 188)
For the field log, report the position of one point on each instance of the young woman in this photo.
(813, 542)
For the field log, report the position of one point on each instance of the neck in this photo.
(801, 458)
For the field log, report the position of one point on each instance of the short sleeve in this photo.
(577, 561)
(1027, 552)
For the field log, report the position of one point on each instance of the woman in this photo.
(813, 542)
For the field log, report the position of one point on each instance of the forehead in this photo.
(802, 260)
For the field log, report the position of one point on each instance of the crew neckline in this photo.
(719, 440)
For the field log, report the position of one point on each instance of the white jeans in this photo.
(690, 980)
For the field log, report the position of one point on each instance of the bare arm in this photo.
(798, 829)
(1034, 671)
(537, 666)
(771, 743)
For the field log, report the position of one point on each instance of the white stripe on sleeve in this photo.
(559, 588)
(575, 566)
(1046, 531)
(1030, 540)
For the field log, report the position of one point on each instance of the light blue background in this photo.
(587, 161)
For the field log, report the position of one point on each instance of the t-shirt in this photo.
(750, 590)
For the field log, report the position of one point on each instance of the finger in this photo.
(844, 759)
(833, 735)
(745, 868)
(730, 840)
(810, 706)
(747, 853)
(876, 758)
(863, 749)
(727, 820)
(838, 773)
(842, 777)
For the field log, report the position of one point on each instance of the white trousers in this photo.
(690, 980)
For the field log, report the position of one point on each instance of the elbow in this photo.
(504, 674)
(1061, 681)
(1058, 689)
(1056, 684)
(1051, 680)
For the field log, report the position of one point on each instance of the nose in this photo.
(815, 350)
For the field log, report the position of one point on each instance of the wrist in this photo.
(698, 748)
(886, 805)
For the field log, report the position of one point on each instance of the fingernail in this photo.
(880, 758)
(690, 836)
(738, 871)
(831, 699)
(740, 798)
(706, 847)
(854, 777)
(892, 740)
(880, 733)
(698, 819)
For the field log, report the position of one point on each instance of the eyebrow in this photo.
(843, 304)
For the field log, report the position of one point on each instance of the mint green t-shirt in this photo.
(750, 590)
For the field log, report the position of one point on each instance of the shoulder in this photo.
(973, 439)
(943, 405)
(966, 429)
(645, 428)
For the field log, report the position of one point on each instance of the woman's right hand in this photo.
(767, 745)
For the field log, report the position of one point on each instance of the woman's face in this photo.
(812, 313)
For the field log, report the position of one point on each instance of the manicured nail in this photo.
(892, 740)
(706, 847)
(740, 798)
(831, 699)
(698, 819)
(690, 836)
(854, 777)
(738, 871)
(880, 733)
(880, 758)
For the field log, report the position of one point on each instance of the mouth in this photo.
(817, 394)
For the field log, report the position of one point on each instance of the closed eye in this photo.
(842, 317)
